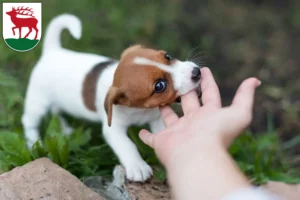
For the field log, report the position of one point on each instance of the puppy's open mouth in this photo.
(199, 93)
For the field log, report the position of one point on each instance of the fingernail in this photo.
(258, 83)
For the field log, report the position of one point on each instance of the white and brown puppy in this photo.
(117, 93)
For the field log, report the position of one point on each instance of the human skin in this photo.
(193, 148)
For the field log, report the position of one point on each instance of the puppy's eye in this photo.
(168, 57)
(160, 86)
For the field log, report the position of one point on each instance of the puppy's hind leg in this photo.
(66, 128)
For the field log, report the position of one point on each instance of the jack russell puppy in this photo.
(100, 89)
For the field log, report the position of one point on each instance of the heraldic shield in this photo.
(22, 25)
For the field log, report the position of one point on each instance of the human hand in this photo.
(203, 126)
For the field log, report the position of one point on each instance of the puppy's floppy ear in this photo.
(113, 96)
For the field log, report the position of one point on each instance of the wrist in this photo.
(192, 149)
(204, 170)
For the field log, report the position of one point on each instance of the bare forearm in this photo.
(197, 175)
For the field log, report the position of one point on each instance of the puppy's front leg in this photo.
(136, 168)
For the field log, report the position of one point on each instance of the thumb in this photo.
(146, 137)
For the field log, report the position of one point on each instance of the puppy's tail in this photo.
(53, 32)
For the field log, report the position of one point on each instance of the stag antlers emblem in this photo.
(19, 16)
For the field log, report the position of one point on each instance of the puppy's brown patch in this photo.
(141, 51)
(90, 84)
(133, 84)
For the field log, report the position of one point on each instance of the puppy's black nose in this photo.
(196, 74)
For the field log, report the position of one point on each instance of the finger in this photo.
(190, 102)
(244, 96)
(146, 137)
(243, 100)
(168, 115)
(210, 90)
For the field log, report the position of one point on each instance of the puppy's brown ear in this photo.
(130, 50)
(113, 96)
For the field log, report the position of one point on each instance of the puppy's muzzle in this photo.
(196, 74)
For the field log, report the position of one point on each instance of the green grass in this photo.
(76, 153)
(261, 157)
(21, 44)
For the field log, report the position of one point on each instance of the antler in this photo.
(24, 11)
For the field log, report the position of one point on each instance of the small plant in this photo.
(75, 153)
(262, 158)
(13, 151)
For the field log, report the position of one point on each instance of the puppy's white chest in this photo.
(135, 116)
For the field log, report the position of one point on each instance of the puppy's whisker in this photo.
(199, 58)
(198, 55)
(191, 54)
(199, 61)
(195, 54)
(196, 59)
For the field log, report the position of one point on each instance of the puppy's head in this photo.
(147, 78)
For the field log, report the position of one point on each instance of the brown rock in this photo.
(287, 191)
(42, 179)
(7, 191)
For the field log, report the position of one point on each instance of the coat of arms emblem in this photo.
(22, 25)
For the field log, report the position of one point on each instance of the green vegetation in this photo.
(262, 157)
(21, 44)
(237, 40)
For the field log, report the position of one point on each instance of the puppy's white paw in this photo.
(138, 171)
(68, 131)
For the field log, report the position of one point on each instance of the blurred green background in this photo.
(235, 39)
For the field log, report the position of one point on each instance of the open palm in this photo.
(204, 125)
